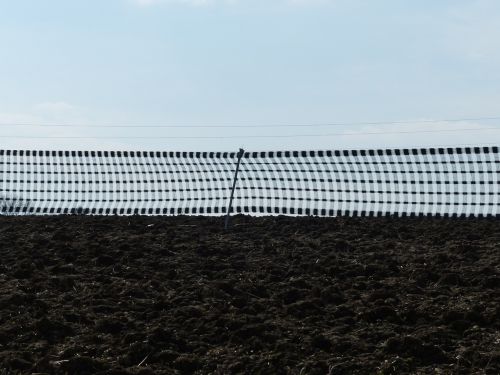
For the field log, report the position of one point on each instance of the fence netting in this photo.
(460, 181)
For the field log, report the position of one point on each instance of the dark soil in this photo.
(146, 295)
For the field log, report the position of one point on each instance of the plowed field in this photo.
(146, 295)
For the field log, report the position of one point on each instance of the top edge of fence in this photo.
(256, 154)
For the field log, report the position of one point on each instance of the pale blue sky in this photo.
(244, 62)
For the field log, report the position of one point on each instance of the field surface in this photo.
(139, 295)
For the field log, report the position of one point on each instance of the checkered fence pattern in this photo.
(460, 181)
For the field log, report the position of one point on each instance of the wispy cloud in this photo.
(147, 3)
(196, 3)
(29, 129)
(54, 107)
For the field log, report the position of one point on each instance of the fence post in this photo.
(230, 205)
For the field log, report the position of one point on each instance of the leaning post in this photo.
(230, 205)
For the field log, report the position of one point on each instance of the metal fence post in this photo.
(230, 205)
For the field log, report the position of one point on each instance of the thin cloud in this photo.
(196, 3)
(20, 131)
(54, 107)
(147, 3)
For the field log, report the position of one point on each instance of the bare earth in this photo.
(145, 295)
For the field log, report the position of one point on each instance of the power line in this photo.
(254, 136)
(408, 122)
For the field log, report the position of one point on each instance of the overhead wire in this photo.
(257, 136)
(326, 124)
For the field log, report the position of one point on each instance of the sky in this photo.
(209, 75)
